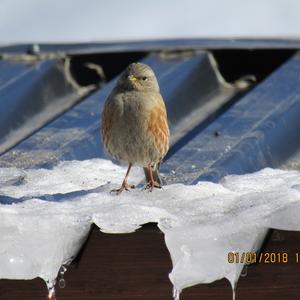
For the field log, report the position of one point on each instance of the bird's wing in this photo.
(158, 127)
(108, 115)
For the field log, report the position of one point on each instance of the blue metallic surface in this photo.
(260, 130)
(18, 86)
(187, 83)
(31, 94)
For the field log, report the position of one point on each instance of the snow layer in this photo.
(201, 223)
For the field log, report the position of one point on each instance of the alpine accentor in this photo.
(134, 123)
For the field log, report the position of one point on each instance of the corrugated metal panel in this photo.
(190, 83)
(31, 94)
(260, 130)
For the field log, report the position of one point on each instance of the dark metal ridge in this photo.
(154, 45)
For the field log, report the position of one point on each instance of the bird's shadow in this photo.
(59, 197)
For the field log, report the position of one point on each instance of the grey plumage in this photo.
(134, 121)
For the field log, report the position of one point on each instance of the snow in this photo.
(47, 213)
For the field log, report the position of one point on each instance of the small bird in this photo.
(135, 125)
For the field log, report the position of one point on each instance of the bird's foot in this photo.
(151, 185)
(125, 186)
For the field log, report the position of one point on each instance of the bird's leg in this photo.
(125, 186)
(151, 183)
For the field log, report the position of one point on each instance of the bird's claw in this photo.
(124, 186)
(152, 184)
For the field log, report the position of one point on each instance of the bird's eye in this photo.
(144, 78)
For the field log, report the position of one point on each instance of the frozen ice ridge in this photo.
(46, 214)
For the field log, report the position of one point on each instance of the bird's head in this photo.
(140, 77)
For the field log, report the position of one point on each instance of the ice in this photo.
(47, 213)
(68, 176)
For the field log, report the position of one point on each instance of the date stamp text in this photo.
(262, 257)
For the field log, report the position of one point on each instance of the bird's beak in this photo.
(132, 78)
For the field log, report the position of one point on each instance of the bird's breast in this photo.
(131, 136)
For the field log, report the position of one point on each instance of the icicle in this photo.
(233, 286)
(62, 281)
(51, 290)
(176, 293)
